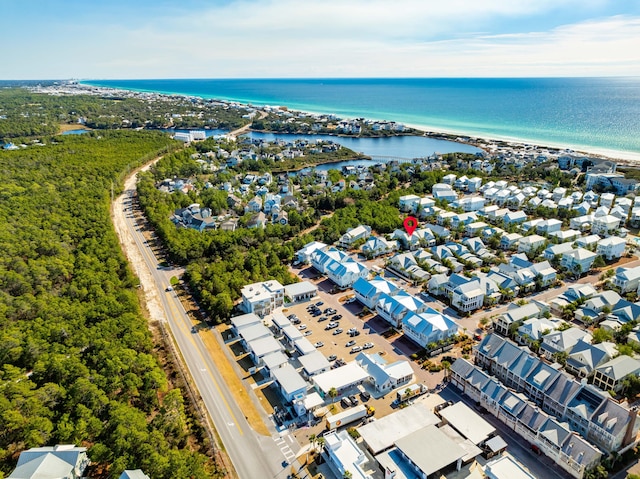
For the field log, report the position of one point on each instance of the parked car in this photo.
(296, 321)
(477, 337)
(291, 316)
(169, 288)
(333, 357)
(354, 333)
(322, 318)
(365, 396)
(354, 399)
(319, 344)
(319, 303)
(337, 317)
(356, 349)
(350, 343)
(345, 402)
(367, 345)
(308, 333)
(337, 331)
(302, 327)
(351, 330)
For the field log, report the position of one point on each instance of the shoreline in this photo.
(469, 138)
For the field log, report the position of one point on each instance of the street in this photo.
(252, 455)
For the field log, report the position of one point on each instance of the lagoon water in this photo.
(594, 114)
(401, 147)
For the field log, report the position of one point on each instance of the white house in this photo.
(377, 246)
(393, 308)
(531, 243)
(428, 327)
(385, 377)
(354, 234)
(368, 292)
(605, 225)
(578, 260)
(611, 247)
(627, 279)
(304, 255)
(468, 297)
(408, 203)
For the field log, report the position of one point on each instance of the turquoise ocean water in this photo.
(593, 114)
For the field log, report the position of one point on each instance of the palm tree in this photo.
(313, 441)
(347, 474)
(333, 393)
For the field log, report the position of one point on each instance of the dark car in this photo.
(365, 396)
(319, 303)
(337, 317)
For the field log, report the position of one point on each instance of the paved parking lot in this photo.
(371, 328)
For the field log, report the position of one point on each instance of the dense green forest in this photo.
(77, 360)
(25, 114)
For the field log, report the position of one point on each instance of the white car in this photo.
(302, 327)
(308, 333)
(367, 345)
(319, 344)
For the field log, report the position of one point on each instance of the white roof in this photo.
(263, 346)
(430, 449)
(304, 287)
(340, 378)
(467, 422)
(506, 468)
(382, 433)
(314, 361)
(245, 320)
(289, 379)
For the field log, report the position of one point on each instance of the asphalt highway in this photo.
(253, 455)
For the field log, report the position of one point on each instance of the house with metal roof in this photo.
(393, 308)
(343, 454)
(562, 341)
(290, 383)
(610, 375)
(585, 357)
(368, 292)
(63, 461)
(627, 279)
(133, 474)
(384, 376)
(429, 326)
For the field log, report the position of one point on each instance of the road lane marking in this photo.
(189, 337)
(151, 260)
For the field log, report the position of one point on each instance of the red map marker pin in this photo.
(410, 224)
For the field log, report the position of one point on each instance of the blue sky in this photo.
(102, 39)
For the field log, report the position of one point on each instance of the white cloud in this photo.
(341, 38)
(603, 47)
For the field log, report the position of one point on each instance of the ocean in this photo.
(600, 115)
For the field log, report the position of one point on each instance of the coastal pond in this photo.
(380, 149)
